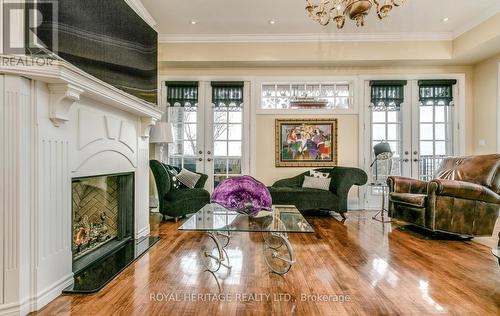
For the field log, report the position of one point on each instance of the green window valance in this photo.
(387, 94)
(436, 92)
(182, 93)
(227, 93)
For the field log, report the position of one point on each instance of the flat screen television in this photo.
(108, 40)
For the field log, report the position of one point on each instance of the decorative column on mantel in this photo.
(59, 122)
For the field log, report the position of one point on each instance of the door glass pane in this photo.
(235, 132)
(234, 166)
(440, 131)
(426, 148)
(189, 148)
(234, 149)
(426, 114)
(378, 117)
(426, 132)
(392, 131)
(392, 116)
(220, 148)
(190, 164)
(235, 117)
(220, 131)
(220, 165)
(440, 114)
(378, 132)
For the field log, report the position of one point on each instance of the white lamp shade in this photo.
(162, 132)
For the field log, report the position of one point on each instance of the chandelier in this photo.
(337, 10)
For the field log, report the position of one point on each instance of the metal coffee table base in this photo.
(278, 252)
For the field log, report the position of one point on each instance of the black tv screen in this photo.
(108, 40)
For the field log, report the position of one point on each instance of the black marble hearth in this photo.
(95, 276)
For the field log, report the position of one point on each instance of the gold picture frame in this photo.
(306, 142)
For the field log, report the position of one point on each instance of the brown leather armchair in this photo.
(463, 199)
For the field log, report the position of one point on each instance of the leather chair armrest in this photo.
(406, 185)
(464, 190)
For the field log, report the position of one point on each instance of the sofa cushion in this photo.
(417, 200)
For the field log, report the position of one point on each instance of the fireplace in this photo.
(102, 216)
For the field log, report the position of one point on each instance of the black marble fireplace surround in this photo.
(102, 216)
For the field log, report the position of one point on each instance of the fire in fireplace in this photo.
(102, 209)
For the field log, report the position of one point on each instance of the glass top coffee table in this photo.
(219, 223)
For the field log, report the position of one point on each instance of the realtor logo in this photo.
(30, 27)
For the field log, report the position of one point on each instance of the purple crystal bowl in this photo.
(243, 194)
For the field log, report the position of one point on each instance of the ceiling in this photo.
(242, 19)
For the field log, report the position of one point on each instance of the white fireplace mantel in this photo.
(58, 123)
(67, 83)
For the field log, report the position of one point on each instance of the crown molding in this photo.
(312, 37)
(139, 8)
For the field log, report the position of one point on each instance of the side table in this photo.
(383, 186)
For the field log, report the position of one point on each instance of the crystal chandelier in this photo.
(336, 10)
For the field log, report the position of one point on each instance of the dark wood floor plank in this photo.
(384, 269)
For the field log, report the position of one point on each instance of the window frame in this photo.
(308, 80)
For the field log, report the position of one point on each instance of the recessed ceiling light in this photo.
(445, 19)
(272, 22)
(193, 22)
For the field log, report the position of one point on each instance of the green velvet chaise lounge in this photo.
(177, 202)
(290, 191)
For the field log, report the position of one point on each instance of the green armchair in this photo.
(177, 202)
(290, 191)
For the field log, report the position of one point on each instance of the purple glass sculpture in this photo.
(243, 194)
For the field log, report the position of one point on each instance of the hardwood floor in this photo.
(381, 270)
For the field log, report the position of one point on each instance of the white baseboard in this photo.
(142, 232)
(37, 302)
(52, 292)
(11, 309)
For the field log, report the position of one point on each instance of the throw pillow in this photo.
(317, 183)
(317, 174)
(188, 178)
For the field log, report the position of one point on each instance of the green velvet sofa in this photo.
(177, 202)
(290, 191)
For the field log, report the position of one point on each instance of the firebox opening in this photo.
(102, 213)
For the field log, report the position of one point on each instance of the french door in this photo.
(421, 131)
(210, 122)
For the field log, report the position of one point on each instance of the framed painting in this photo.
(306, 142)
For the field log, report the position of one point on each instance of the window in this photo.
(182, 98)
(302, 95)
(385, 104)
(435, 124)
(227, 101)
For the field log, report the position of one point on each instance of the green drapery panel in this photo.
(182, 93)
(227, 93)
(387, 94)
(436, 92)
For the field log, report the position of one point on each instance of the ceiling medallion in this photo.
(337, 10)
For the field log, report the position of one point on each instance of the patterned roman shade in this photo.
(436, 92)
(227, 93)
(387, 94)
(182, 93)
